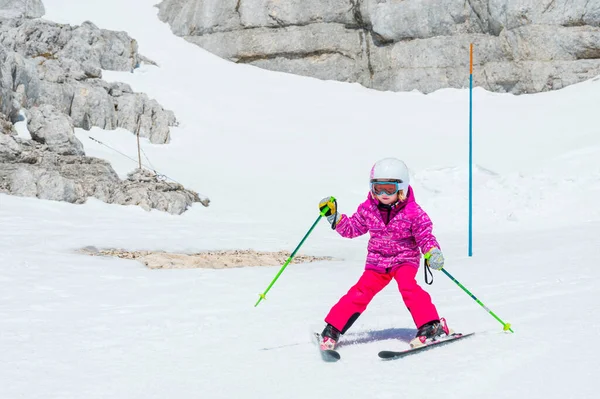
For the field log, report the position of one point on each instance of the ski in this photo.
(328, 355)
(392, 355)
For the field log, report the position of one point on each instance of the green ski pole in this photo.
(506, 325)
(287, 262)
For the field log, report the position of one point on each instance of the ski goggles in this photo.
(385, 187)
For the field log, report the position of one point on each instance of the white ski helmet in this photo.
(391, 169)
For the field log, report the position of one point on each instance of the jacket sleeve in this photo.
(422, 230)
(352, 226)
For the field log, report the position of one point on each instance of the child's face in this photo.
(387, 198)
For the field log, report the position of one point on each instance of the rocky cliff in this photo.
(521, 46)
(52, 75)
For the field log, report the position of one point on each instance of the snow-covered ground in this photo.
(266, 147)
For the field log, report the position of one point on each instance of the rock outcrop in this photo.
(43, 62)
(52, 74)
(521, 46)
(21, 8)
(52, 166)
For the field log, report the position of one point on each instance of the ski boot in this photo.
(429, 332)
(330, 337)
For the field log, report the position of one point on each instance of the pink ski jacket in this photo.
(408, 232)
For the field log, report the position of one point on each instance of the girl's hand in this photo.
(435, 259)
(330, 203)
(333, 217)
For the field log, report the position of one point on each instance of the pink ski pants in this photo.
(351, 305)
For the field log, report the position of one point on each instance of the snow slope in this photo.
(265, 147)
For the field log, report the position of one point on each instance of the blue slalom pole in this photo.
(471, 150)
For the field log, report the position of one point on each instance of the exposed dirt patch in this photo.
(205, 260)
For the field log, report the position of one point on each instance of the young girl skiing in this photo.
(400, 231)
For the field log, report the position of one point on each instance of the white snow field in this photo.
(266, 147)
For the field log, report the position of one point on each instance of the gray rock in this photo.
(95, 102)
(517, 61)
(402, 45)
(95, 177)
(326, 51)
(6, 127)
(21, 180)
(530, 43)
(52, 186)
(86, 43)
(536, 76)
(27, 180)
(70, 84)
(61, 70)
(139, 113)
(510, 14)
(19, 83)
(9, 148)
(49, 126)
(394, 21)
(197, 18)
(28, 168)
(53, 73)
(190, 18)
(21, 8)
(90, 105)
(165, 196)
(276, 13)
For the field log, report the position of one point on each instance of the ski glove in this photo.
(333, 217)
(435, 259)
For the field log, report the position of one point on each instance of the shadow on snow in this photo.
(364, 337)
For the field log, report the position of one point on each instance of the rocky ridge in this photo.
(51, 75)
